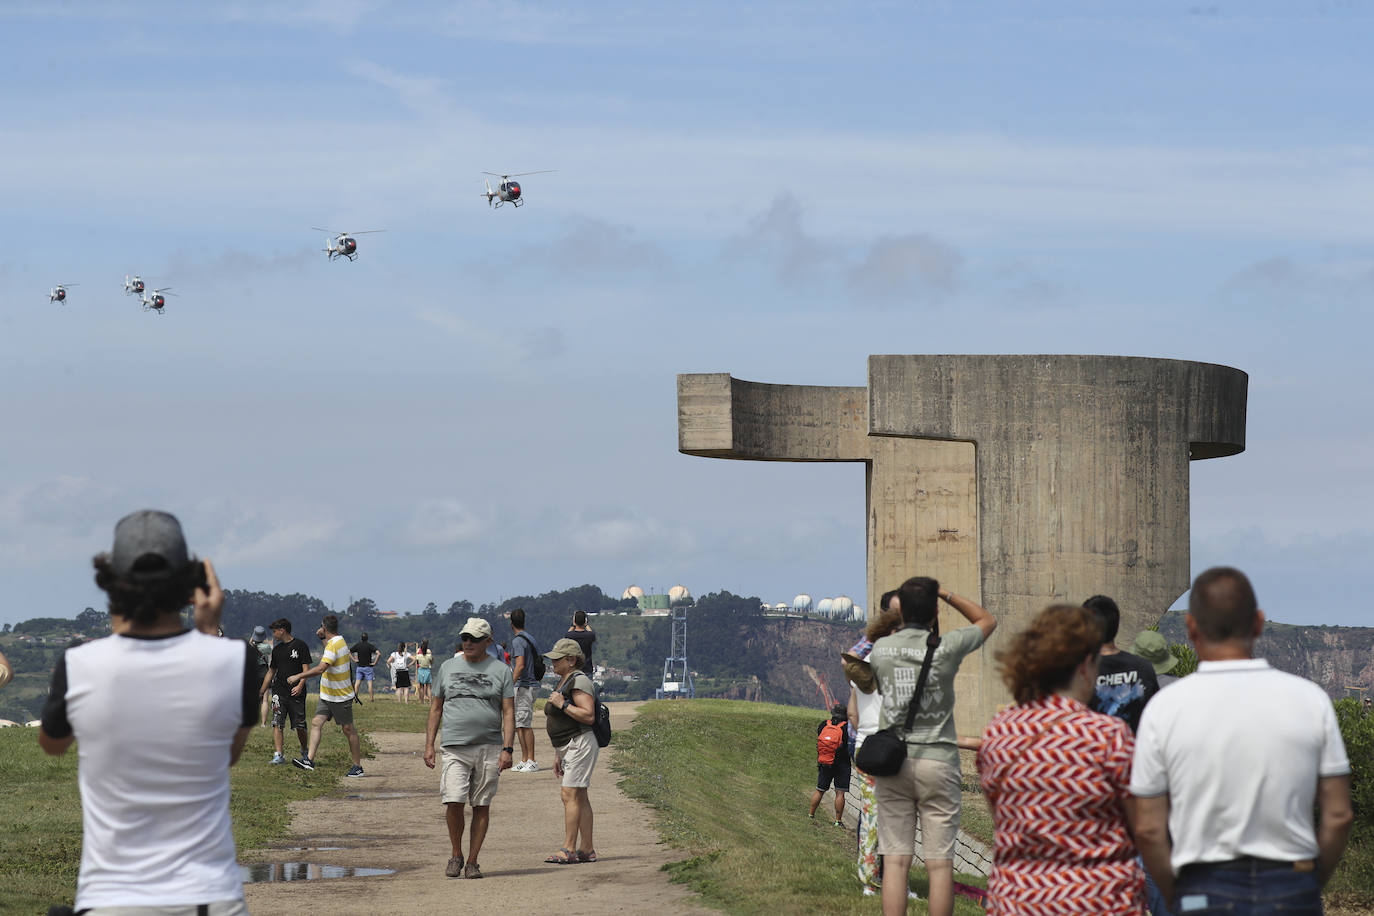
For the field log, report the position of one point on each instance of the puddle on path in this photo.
(305, 871)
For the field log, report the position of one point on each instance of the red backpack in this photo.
(830, 740)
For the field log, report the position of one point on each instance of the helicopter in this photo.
(343, 245)
(133, 286)
(156, 301)
(59, 292)
(508, 191)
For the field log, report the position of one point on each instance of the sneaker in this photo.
(531, 768)
(303, 763)
(912, 895)
(838, 824)
(519, 767)
(354, 770)
(454, 868)
(278, 758)
(473, 870)
(870, 891)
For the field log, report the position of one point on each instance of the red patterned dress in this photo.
(1061, 840)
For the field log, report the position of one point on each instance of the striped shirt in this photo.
(336, 683)
(1059, 774)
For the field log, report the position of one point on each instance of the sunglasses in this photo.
(468, 637)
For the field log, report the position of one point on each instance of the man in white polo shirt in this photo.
(158, 713)
(337, 695)
(1230, 762)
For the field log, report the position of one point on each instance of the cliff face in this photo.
(1336, 658)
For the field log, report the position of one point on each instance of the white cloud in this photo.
(262, 537)
(442, 523)
(905, 267)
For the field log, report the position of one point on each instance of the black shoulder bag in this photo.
(883, 751)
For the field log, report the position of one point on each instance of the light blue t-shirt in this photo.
(896, 663)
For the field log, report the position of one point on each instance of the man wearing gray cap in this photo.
(474, 699)
(159, 713)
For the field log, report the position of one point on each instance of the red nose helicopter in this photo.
(508, 192)
(59, 292)
(155, 301)
(343, 245)
(133, 286)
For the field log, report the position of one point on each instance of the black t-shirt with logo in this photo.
(367, 654)
(1125, 683)
(288, 658)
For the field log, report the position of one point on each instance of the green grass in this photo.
(40, 849)
(731, 779)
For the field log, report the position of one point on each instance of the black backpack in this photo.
(540, 669)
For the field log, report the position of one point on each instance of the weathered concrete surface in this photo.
(1016, 480)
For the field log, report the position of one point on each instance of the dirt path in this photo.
(408, 834)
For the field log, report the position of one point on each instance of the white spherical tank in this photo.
(801, 603)
(823, 607)
(634, 591)
(858, 613)
(678, 594)
(841, 607)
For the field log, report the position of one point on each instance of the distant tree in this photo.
(364, 612)
(7, 628)
(486, 609)
(431, 610)
(1357, 730)
(91, 621)
(459, 610)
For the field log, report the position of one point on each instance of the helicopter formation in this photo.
(337, 244)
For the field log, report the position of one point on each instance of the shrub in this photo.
(1357, 730)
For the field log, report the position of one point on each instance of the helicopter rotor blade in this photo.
(367, 232)
(523, 174)
(318, 229)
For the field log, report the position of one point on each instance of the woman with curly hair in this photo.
(1057, 776)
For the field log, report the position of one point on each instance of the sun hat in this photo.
(477, 627)
(1151, 646)
(564, 648)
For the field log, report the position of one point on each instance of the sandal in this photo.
(586, 856)
(563, 857)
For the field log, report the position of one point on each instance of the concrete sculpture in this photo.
(1017, 480)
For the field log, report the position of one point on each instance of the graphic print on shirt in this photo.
(904, 682)
(1117, 690)
(473, 682)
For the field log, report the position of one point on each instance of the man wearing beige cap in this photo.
(474, 701)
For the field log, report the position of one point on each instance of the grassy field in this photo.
(730, 781)
(40, 849)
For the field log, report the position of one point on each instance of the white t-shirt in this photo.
(1238, 747)
(869, 706)
(154, 720)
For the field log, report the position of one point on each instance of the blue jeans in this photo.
(1155, 904)
(1203, 890)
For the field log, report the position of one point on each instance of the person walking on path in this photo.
(832, 761)
(569, 714)
(581, 633)
(928, 784)
(1055, 775)
(159, 714)
(365, 655)
(523, 655)
(399, 663)
(289, 656)
(474, 702)
(337, 696)
(1230, 764)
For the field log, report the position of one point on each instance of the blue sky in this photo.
(484, 403)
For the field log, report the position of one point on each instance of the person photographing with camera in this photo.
(159, 713)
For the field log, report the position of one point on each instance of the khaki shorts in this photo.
(470, 773)
(524, 705)
(579, 759)
(330, 711)
(930, 788)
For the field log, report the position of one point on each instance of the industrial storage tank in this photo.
(841, 608)
(801, 603)
(678, 594)
(634, 591)
(823, 607)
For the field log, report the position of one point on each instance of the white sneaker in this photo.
(870, 891)
(521, 767)
(531, 767)
(912, 895)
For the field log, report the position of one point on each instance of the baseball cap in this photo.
(259, 634)
(1151, 646)
(564, 647)
(146, 534)
(477, 627)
